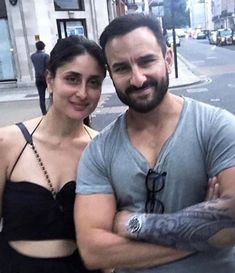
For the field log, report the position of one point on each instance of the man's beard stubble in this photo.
(145, 106)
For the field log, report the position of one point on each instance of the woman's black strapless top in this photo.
(31, 213)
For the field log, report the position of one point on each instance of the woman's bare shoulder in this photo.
(7, 135)
(9, 139)
(11, 136)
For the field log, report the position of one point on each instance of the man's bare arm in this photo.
(101, 248)
(200, 227)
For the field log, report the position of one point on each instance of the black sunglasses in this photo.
(154, 183)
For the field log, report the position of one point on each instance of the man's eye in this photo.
(120, 69)
(146, 62)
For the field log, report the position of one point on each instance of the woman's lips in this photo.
(78, 106)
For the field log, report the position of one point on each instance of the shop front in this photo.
(7, 67)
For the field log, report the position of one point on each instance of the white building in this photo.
(216, 13)
(23, 22)
(224, 14)
(201, 14)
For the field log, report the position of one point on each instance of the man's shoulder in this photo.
(33, 54)
(45, 54)
(201, 107)
(39, 54)
(109, 136)
(208, 118)
(112, 128)
(196, 103)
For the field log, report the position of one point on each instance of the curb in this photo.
(190, 66)
(192, 70)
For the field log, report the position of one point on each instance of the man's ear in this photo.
(169, 59)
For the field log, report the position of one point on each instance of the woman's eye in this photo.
(72, 80)
(95, 83)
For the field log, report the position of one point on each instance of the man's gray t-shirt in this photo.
(202, 145)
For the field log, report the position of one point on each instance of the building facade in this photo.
(224, 14)
(23, 22)
(212, 14)
(201, 14)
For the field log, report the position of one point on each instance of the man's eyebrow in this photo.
(115, 65)
(148, 56)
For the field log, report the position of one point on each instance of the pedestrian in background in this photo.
(38, 161)
(152, 164)
(40, 60)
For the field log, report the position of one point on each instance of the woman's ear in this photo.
(50, 81)
(169, 59)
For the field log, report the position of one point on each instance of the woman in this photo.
(38, 161)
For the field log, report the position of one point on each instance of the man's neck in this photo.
(170, 107)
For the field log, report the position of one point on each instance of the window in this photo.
(68, 5)
(7, 68)
(71, 27)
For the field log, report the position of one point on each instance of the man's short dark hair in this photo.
(40, 45)
(124, 24)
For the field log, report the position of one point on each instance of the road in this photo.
(216, 67)
(15, 111)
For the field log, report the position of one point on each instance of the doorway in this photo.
(7, 68)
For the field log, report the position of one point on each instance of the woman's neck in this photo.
(60, 126)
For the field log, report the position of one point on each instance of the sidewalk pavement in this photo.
(186, 77)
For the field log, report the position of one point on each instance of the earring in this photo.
(51, 98)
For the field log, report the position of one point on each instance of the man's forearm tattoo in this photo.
(189, 229)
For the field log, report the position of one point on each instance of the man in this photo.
(155, 161)
(40, 60)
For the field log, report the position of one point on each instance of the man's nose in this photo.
(137, 77)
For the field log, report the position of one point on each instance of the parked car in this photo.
(233, 37)
(224, 37)
(212, 37)
(201, 35)
(180, 32)
(169, 39)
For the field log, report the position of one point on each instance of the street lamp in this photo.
(173, 6)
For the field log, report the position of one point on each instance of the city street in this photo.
(214, 65)
(15, 111)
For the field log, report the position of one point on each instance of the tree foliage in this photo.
(180, 16)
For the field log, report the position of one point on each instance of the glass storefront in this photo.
(71, 27)
(7, 71)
